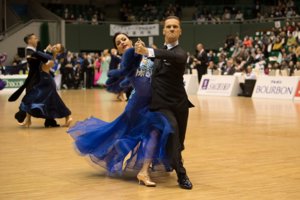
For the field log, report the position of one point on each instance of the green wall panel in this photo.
(81, 37)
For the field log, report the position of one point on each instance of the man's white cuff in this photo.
(151, 53)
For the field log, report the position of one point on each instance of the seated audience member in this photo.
(248, 86)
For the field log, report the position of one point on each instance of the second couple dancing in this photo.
(150, 133)
(41, 99)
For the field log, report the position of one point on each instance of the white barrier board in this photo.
(13, 82)
(297, 93)
(218, 86)
(191, 83)
(275, 87)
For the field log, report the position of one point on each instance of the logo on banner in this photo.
(205, 84)
(220, 86)
(266, 89)
(297, 94)
(14, 83)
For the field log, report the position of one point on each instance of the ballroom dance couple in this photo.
(150, 133)
(41, 99)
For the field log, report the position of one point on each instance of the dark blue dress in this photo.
(123, 144)
(2, 84)
(43, 101)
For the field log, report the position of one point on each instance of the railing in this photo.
(16, 27)
(233, 21)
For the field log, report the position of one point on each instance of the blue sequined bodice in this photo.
(142, 80)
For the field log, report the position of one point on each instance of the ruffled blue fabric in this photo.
(120, 79)
(123, 144)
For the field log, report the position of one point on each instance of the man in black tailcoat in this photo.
(201, 61)
(168, 94)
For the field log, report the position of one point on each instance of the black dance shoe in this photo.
(184, 182)
(51, 123)
(20, 116)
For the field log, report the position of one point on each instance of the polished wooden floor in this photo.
(236, 148)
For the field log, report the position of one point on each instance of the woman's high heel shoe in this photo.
(68, 122)
(120, 97)
(26, 123)
(145, 178)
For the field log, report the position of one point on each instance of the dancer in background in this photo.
(32, 79)
(97, 68)
(43, 101)
(104, 68)
(3, 57)
(136, 139)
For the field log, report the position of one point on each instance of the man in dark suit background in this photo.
(168, 93)
(32, 79)
(201, 61)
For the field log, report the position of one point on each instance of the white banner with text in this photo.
(211, 85)
(135, 30)
(297, 93)
(275, 87)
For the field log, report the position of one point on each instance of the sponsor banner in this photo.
(211, 85)
(297, 93)
(274, 87)
(190, 83)
(135, 30)
(13, 81)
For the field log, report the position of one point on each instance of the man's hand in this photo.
(140, 48)
(48, 48)
(50, 64)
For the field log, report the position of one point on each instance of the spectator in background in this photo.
(94, 20)
(291, 40)
(278, 44)
(80, 19)
(67, 71)
(97, 68)
(201, 61)
(229, 42)
(89, 71)
(247, 42)
(229, 68)
(115, 59)
(189, 62)
(249, 75)
(239, 16)
(226, 15)
(211, 67)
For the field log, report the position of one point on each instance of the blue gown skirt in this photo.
(2, 84)
(124, 144)
(43, 101)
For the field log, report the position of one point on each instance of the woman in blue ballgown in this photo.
(43, 100)
(135, 140)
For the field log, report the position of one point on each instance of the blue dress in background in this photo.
(43, 101)
(123, 144)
